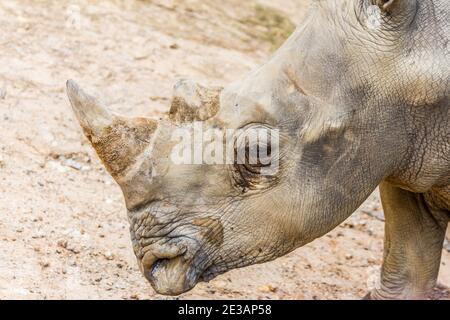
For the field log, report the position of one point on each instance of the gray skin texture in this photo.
(356, 107)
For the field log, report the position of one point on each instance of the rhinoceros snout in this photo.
(170, 271)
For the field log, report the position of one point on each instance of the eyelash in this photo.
(248, 176)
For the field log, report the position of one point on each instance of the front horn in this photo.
(117, 140)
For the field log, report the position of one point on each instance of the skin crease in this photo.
(355, 107)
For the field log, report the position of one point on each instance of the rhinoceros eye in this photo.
(254, 157)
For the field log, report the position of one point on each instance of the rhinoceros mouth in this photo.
(174, 276)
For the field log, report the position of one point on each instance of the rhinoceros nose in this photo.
(147, 263)
(156, 255)
(169, 272)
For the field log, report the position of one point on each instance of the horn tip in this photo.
(78, 97)
(72, 86)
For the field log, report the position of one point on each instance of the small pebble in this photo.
(2, 93)
(268, 289)
(108, 255)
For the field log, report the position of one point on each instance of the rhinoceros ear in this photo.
(389, 6)
(193, 102)
(385, 5)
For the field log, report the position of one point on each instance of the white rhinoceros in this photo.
(357, 97)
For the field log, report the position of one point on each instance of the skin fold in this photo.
(360, 96)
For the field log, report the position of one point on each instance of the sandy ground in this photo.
(63, 227)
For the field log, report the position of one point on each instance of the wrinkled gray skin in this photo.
(357, 107)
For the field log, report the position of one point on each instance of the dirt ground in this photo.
(63, 227)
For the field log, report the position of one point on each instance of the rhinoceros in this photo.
(358, 97)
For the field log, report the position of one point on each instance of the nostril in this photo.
(150, 271)
(158, 263)
(148, 261)
(157, 257)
